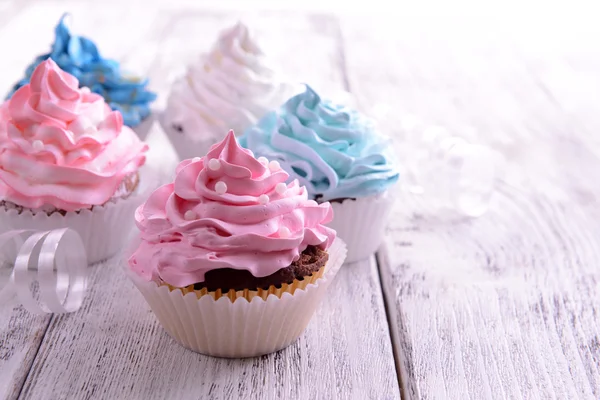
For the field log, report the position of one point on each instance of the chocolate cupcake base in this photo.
(236, 284)
(311, 260)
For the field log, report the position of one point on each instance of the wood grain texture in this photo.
(114, 348)
(20, 337)
(504, 306)
(20, 332)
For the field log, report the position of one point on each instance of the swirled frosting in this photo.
(63, 146)
(332, 150)
(230, 88)
(80, 57)
(226, 210)
(3, 119)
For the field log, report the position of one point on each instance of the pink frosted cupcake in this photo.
(233, 261)
(66, 160)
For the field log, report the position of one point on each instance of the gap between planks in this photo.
(389, 303)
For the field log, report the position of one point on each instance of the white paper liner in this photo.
(184, 146)
(361, 223)
(240, 329)
(145, 126)
(103, 229)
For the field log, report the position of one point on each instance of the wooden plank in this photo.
(20, 332)
(114, 348)
(20, 337)
(504, 306)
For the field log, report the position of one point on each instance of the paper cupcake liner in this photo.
(103, 229)
(184, 146)
(239, 329)
(361, 223)
(145, 126)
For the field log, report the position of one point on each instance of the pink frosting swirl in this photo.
(226, 210)
(63, 146)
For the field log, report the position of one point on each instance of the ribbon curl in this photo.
(47, 270)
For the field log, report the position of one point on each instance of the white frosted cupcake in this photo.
(230, 87)
(67, 161)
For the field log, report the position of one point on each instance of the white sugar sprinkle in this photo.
(38, 145)
(284, 232)
(214, 164)
(281, 188)
(263, 161)
(221, 187)
(189, 215)
(263, 199)
(274, 166)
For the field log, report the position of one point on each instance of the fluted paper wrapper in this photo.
(184, 146)
(103, 229)
(361, 223)
(242, 328)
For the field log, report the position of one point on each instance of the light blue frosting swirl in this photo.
(333, 150)
(80, 57)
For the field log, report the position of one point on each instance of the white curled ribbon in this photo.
(46, 270)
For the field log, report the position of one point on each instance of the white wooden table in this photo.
(504, 306)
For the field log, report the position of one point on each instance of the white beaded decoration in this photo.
(189, 215)
(214, 164)
(263, 161)
(196, 159)
(90, 130)
(38, 145)
(263, 199)
(281, 188)
(274, 166)
(284, 232)
(221, 187)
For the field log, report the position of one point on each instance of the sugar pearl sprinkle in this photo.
(189, 215)
(38, 145)
(281, 188)
(263, 161)
(274, 166)
(221, 187)
(214, 164)
(263, 199)
(284, 232)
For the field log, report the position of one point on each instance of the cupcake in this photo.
(340, 157)
(230, 87)
(232, 260)
(80, 57)
(67, 161)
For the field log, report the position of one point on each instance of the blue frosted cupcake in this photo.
(80, 57)
(340, 157)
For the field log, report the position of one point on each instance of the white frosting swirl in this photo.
(230, 88)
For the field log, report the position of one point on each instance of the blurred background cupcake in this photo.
(232, 260)
(340, 157)
(230, 87)
(67, 160)
(79, 56)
